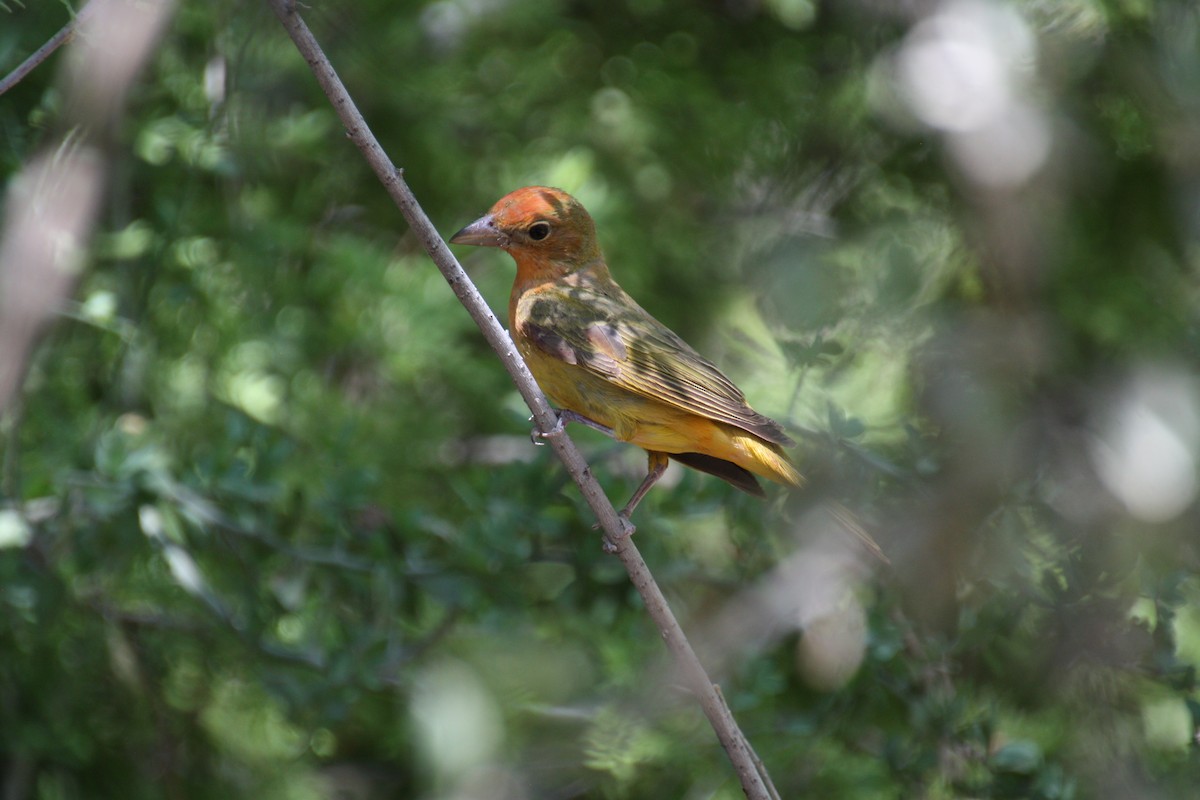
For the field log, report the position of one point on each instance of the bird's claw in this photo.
(539, 437)
(627, 529)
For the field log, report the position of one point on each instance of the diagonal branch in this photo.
(756, 783)
(65, 34)
(51, 205)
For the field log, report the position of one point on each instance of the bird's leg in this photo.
(565, 416)
(656, 467)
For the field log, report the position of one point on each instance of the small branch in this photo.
(51, 205)
(65, 34)
(755, 782)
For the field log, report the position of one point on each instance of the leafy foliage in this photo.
(271, 524)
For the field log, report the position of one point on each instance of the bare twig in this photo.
(64, 35)
(51, 205)
(755, 781)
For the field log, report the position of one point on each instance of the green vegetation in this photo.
(271, 524)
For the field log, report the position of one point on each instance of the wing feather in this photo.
(604, 331)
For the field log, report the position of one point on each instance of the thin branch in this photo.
(756, 783)
(51, 205)
(64, 35)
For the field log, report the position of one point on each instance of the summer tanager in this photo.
(607, 363)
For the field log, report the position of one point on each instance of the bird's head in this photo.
(539, 227)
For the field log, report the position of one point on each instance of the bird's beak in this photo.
(482, 232)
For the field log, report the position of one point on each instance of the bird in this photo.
(605, 362)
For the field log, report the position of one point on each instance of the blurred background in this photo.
(271, 524)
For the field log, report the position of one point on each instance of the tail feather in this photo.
(768, 460)
(725, 470)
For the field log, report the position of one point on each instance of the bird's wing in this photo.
(604, 331)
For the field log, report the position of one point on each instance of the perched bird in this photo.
(603, 360)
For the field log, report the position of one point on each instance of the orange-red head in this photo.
(544, 229)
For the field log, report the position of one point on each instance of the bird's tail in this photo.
(768, 460)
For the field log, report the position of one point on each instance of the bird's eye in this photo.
(539, 231)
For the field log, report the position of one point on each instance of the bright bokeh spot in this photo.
(459, 724)
(1146, 452)
(966, 71)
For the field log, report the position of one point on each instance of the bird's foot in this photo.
(627, 529)
(564, 416)
(539, 436)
